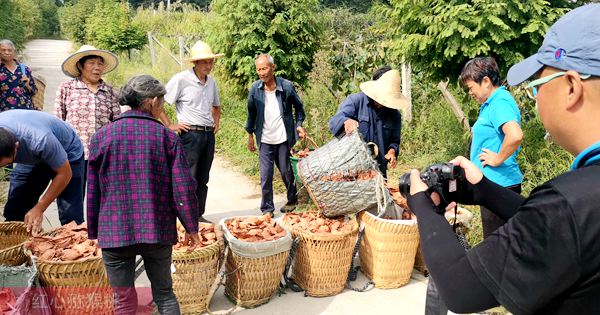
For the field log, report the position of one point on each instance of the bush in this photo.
(109, 27)
(287, 29)
(74, 17)
(11, 25)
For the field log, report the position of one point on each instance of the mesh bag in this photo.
(342, 177)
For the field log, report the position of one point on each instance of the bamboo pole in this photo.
(460, 115)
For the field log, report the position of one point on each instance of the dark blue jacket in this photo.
(378, 125)
(287, 99)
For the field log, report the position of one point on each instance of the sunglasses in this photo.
(532, 87)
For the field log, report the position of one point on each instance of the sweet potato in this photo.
(255, 229)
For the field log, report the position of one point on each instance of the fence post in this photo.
(151, 46)
(181, 51)
(407, 89)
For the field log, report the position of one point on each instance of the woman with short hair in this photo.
(497, 134)
(17, 85)
(139, 184)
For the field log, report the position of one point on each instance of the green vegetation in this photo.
(21, 20)
(330, 58)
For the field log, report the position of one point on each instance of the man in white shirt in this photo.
(275, 114)
(196, 98)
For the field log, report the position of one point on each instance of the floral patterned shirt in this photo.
(85, 110)
(13, 93)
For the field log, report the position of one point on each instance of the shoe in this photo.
(268, 213)
(202, 219)
(289, 207)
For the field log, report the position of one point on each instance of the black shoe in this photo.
(289, 207)
(268, 213)
(203, 220)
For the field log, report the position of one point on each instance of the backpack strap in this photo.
(23, 69)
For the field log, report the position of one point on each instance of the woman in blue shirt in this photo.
(497, 134)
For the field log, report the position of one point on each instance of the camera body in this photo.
(446, 179)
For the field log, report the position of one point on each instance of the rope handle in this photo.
(303, 141)
(219, 280)
(353, 272)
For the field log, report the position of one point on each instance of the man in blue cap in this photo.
(546, 258)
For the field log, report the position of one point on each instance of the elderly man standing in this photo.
(196, 98)
(275, 114)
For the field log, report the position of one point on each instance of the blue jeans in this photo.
(120, 268)
(280, 155)
(28, 183)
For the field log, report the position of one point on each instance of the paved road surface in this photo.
(231, 193)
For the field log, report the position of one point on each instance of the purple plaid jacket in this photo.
(139, 181)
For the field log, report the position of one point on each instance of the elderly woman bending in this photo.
(139, 184)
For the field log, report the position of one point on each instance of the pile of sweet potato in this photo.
(302, 153)
(206, 231)
(7, 300)
(67, 243)
(316, 223)
(398, 199)
(350, 176)
(255, 229)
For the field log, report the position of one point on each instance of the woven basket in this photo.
(38, 98)
(322, 261)
(194, 275)
(12, 237)
(420, 262)
(387, 251)
(255, 279)
(76, 287)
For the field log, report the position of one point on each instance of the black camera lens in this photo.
(404, 185)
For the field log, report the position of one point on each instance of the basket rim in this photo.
(198, 252)
(324, 236)
(371, 217)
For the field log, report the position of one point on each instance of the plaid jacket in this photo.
(139, 182)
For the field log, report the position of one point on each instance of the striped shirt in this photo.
(139, 182)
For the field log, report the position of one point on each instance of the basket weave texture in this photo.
(322, 261)
(387, 251)
(38, 98)
(194, 275)
(254, 280)
(76, 287)
(12, 237)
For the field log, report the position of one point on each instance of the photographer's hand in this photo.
(417, 186)
(472, 172)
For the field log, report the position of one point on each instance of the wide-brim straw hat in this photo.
(69, 66)
(386, 90)
(201, 51)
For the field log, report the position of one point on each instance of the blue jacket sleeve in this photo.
(347, 110)
(298, 107)
(251, 120)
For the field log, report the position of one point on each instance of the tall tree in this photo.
(289, 30)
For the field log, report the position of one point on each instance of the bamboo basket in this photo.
(420, 261)
(387, 251)
(255, 279)
(38, 98)
(12, 237)
(76, 287)
(194, 275)
(322, 261)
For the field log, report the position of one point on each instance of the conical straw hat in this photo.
(386, 90)
(69, 66)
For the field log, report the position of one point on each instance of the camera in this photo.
(446, 179)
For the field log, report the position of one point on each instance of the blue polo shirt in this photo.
(497, 110)
(42, 137)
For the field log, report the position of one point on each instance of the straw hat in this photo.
(69, 66)
(201, 51)
(386, 90)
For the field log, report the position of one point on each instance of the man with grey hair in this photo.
(17, 85)
(275, 115)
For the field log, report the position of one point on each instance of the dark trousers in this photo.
(280, 155)
(489, 220)
(120, 268)
(199, 149)
(28, 183)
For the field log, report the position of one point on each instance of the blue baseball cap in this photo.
(571, 43)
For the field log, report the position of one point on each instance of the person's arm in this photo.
(216, 114)
(251, 120)
(60, 102)
(347, 112)
(513, 136)
(183, 186)
(93, 189)
(298, 107)
(30, 82)
(394, 141)
(171, 97)
(33, 218)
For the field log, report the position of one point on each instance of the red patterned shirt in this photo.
(85, 110)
